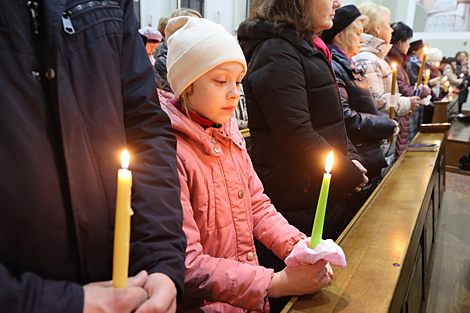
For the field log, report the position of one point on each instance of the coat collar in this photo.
(375, 45)
(344, 60)
(211, 137)
(264, 30)
(395, 55)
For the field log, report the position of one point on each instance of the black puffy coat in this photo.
(160, 68)
(295, 119)
(70, 103)
(365, 127)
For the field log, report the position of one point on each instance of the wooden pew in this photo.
(458, 145)
(440, 111)
(389, 245)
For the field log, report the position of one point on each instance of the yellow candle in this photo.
(446, 86)
(122, 228)
(394, 77)
(428, 72)
(317, 230)
(421, 69)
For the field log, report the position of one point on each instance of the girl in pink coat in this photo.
(223, 201)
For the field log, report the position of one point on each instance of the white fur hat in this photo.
(196, 46)
(434, 55)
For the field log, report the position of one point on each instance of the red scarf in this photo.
(320, 45)
(201, 120)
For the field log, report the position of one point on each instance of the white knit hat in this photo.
(434, 55)
(196, 46)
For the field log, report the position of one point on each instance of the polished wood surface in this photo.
(458, 145)
(440, 111)
(435, 128)
(382, 243)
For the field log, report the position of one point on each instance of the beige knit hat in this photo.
(196, 46)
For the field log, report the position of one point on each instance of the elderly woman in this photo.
(365, 127)
(371, 59)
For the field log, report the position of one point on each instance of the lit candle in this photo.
(450, 89)
(317, 230)
(122, 228)
(421, 69)
(394, 77)
(446, 86)
(462, 75)
(437, 68)
(428, 72)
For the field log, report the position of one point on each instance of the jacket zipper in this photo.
(33, 9)
(67, 23)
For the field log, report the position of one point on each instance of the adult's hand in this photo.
(363, 170)
(426, 89)
(162, 295)
(395, 132)
(433, 81)
(414, 102)
(299, 280)
(102, 297)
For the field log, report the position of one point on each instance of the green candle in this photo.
(317, 230)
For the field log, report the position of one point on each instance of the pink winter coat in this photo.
(224, 206)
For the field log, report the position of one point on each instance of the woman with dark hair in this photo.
(295, 113)
(365, 127)
(401, 37)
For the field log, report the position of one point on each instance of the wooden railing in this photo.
(389, 245)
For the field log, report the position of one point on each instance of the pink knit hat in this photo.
(151, 33)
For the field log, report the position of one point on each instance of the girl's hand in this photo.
(299, 280)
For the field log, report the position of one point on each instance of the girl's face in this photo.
(324, 12)
(351, 38)
(384, 30)
(215, 94)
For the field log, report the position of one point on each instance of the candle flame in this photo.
(446, 83)
(461, 75)
(329, 162)
(428, 72)
(394, 66)
(444, 78)
(437, 64)
(425, 49)
(450, 89)
(125, 159)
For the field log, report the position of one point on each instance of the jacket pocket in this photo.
(90, 21)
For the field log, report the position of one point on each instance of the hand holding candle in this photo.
(317, 230)
(421, 69)
(428, 73)
(122, 228)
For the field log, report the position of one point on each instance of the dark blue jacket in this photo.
(75, 95)
(365, 127)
